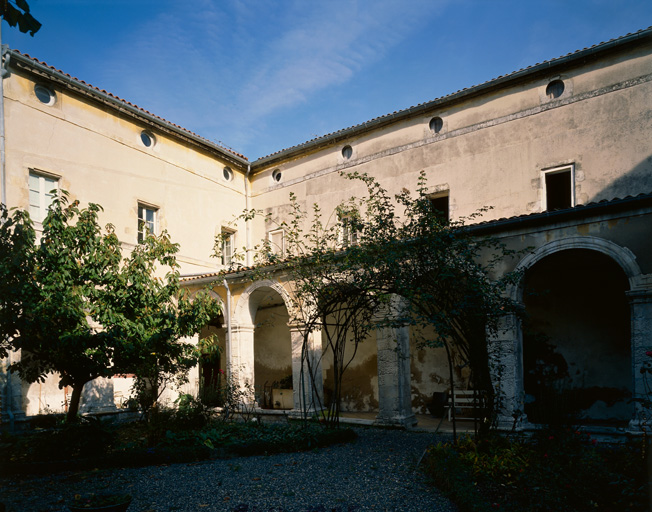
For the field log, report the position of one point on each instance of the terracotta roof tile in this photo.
(475, 226)
(441, 98)
(126, 102)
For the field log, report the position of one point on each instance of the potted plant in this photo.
(100, 502)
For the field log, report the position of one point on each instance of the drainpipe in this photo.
(8, 391)
(228, 329)
(248, 222)
(3, 74)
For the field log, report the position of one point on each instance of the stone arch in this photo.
(555, 315)
(621, 255)
(244, 313)
(208, 291)
(264, 343)
(212, 364)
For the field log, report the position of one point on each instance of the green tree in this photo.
(152, 315)
(343, 273)
(73, 307)
(444, 272)
(18, 15)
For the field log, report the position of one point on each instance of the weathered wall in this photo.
(272, 349)
(493, 147)
(359, 380)
(100, 158)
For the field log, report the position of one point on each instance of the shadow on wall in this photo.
(637, 181)
(97, 396)
(576, 344)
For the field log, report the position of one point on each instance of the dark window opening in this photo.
(436, 124)
(440, 207)
(558, 190)
(555, 89)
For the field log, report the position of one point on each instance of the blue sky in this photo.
(260, 76)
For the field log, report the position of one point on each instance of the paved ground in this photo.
(377, 472)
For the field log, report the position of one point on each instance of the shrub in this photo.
(191, 412)
(561, 469)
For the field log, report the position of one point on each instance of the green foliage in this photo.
(58, 293)
(163, 440)
(381, 261)
(19, 16)
(191, 413)
(74, 307)
(555, 470)
(85, 439)
(16, 266)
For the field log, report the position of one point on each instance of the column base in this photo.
(311, 413)
(638, 426)
(396, 421)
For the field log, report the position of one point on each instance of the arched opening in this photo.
(272, 350)
(577, 340)
(212, 362)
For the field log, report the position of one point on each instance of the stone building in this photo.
(560, 150)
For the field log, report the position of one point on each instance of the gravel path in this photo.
(377, 472)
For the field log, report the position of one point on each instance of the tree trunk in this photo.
(75, 398)
(452, 381)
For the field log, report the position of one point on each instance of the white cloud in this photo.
(223, 68)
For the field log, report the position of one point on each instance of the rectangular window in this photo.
(277, 242)
(228, 244)
(440, 207)
(42, 190)
(146, 221)
(350, 229)
(559, 190)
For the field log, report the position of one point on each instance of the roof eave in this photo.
(464, 94)
(28, 64)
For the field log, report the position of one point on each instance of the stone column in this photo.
(241, 365)
(192, 386)
(640, 303)
(506, 363)
(394, 393)
(12, 388)
(307, 381)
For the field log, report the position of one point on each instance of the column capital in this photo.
(640, 295)
(239, 328)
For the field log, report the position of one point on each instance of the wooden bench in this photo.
(466, 399)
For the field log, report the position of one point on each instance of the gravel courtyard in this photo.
(377, 472)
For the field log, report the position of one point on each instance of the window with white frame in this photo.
(147, 217)
(276, 240)
(228, 245)
(350, 225)
(43, 188)
(559, 188)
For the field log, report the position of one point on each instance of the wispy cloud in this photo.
(223, 69)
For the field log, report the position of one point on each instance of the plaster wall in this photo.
(493, 148)
(428, 371)
(99, 158)
(272, 347)
(359, 380)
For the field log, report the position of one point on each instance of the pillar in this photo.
(506, 363)
(394, 393)
(640, 303)
(307, 381)
(241, 364)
